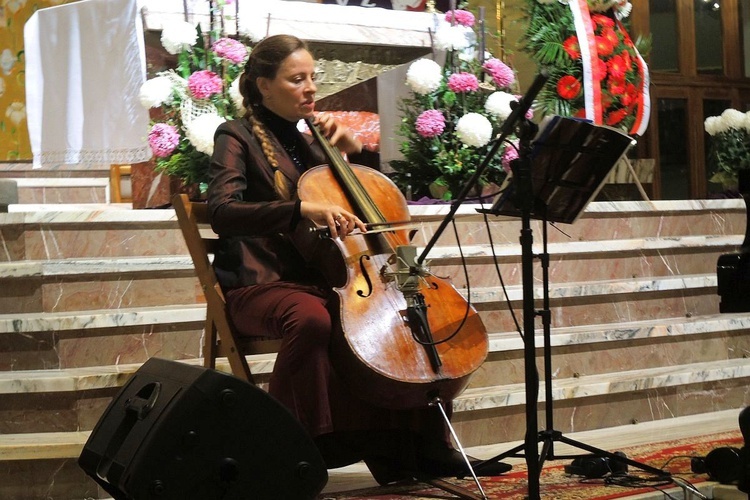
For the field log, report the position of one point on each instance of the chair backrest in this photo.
(120, 187)
(220, 338)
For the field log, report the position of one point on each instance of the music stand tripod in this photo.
(571, 160)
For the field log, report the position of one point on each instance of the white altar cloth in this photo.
(85, 64)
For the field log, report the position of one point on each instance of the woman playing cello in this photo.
(271, 292)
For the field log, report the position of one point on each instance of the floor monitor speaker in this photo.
(177, 431)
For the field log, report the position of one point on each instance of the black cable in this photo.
(464, 265)
(689, 457)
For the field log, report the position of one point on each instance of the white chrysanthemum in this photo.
(452, 37)
(732, 118)
(746, 121)
(16, 112)
(712, 125)
(498, 104)
(155, 92)
(623, 10)
(474, 129)
(236, 96)
(424, 76)
(200, 132)
(177, 36)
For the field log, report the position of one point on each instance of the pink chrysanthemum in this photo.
(230, 49)
(430, 123)
(203, 84)
(463, 82)
(163, 139)
(500, 72)
(463, 17)
(510, 154)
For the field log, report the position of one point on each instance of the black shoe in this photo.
(386, 471)
(484, 468)
(450, 463)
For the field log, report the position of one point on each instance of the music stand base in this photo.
(549, 437)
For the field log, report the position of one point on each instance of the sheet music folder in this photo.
(570, 161)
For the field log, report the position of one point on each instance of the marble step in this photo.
(97, 283)
(607, 336)
(602, 302)
(100, 337)
(25, 446)
(617, 382)
(700, 286)
(482, 254)
(584, 261)
(93, 266)
(100, 231)
(625, 259)
(599, 221)
(52, 231)
(62, 190)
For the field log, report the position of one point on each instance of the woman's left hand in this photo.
(337, 133)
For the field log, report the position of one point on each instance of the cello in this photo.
(402, 335)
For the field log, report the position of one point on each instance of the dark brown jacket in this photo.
(253, 223)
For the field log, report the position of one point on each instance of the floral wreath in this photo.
(596, 71)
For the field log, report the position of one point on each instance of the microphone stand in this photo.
(412, 270)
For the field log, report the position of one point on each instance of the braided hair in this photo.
(264, 61)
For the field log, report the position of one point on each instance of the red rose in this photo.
(568, 87)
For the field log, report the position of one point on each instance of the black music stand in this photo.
(556, 175)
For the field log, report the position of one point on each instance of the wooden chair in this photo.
(220, 339)
(120, 187)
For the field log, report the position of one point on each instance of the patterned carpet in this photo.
(555, 484)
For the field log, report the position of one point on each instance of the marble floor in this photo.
(357, 476)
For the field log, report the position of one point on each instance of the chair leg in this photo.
(210, 347)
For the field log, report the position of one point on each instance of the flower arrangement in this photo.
(193, 99)
(606, 75)
(730, 145)
(452, 114)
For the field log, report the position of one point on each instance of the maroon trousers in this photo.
(303, 379)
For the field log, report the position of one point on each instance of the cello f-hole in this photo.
(366, 276)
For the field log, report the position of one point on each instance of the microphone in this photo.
(523, 105)
(407, 276)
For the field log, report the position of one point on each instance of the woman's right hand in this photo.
(340, 222)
